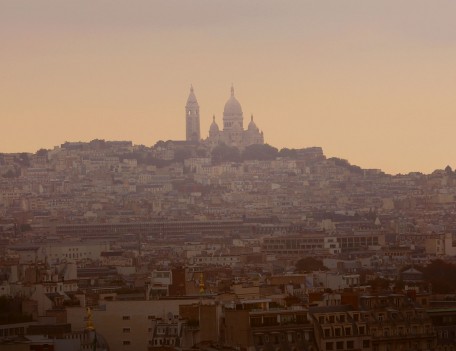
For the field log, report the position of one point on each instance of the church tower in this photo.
(192, 118)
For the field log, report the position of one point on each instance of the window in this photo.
(126, 318)
(329, 346)
(350, 344)
(340, 345)
(126, 342)
(361, 330)
(366, 344)
(255, 321)
(126, 330)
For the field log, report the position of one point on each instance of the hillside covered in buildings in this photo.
(190, 244)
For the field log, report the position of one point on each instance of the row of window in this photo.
(261, 340)
(345, 345)
(259, 321)
(128, 330)
(332, 319)
(127, 318)
(401, 331)
(12, 331)
(158, 342)
(347, 331)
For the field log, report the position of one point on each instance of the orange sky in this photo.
(370, 81)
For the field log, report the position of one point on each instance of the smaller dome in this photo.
(214, 126)
(252, 126)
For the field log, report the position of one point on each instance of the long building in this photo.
(311, 243)
(159, 229)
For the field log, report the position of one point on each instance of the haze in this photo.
(370, 81)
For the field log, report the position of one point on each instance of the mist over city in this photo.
(227, 175)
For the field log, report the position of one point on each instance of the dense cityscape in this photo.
(222, 243)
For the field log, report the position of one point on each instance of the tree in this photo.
(345, 164)
(290, 153)
(291, 300)
(10, 174)
(399, 285)
(160, 143)
(42, 152)
(182, 154)
(379, 284)
(261, 152)
(442, 276)
(225, 153)
(25, 227)
(310, 264)
(23, 159)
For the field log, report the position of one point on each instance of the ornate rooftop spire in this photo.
(191, 97)
(89, 319)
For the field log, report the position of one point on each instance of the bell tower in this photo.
(192, 118)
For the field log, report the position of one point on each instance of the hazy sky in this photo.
(372, 81)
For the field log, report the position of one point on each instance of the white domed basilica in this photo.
(233, 133)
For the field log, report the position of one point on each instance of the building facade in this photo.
(233, 132)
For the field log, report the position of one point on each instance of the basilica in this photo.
(233, 133)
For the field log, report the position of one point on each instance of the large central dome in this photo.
(232, 106)
(233, 132)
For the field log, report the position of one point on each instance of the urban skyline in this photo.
(222, 135)
(238, 175)
(372, 83)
